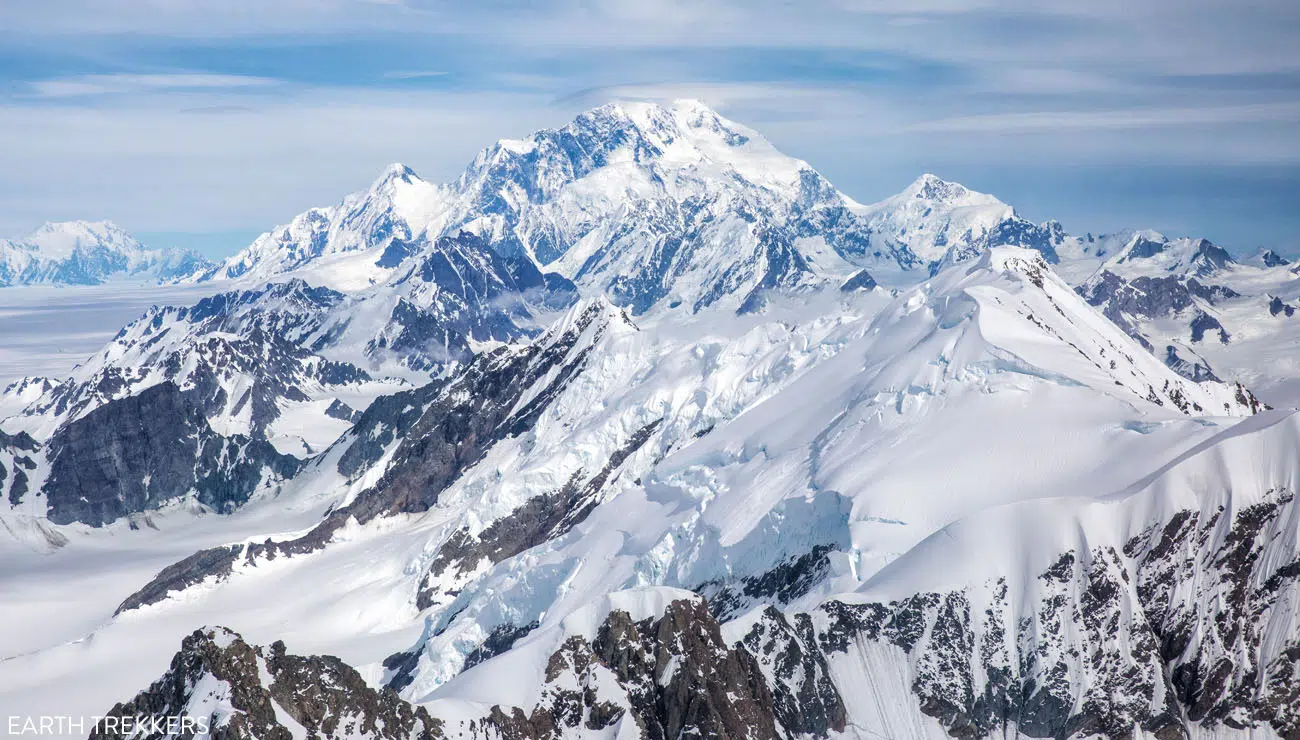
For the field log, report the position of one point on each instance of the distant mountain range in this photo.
(642, 429)
(89, 253)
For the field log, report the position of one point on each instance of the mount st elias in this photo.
(640, 428)
(89, 253)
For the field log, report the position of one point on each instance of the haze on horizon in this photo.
(201, 128)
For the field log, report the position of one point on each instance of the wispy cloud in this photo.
(218, 113)
(413, 75)
(1135, 118)
(117, 84)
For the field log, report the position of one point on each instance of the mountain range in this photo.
(641, 429)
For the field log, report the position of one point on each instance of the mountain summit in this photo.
(88, 253)
(652, 205)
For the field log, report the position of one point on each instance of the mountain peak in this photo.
(396, 172)
(59, 239)
(1270, 258)
(87, 253)
(80, 229)
(933, 187)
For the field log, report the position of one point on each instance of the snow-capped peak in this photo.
(935, 189)
(685, 134)
(395, 175)
(936, 218)
(398, 205)
(59, 239)
(87, 253)
(1151, 253)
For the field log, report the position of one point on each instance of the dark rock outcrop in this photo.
(1196, 370)
(1190, 622)
(140, 452)
(780, 585)
(18, 449)
(805, 700)
(537, 521)
(676, 674)
(1273, 259)
(861, 280)
(1277, 306)
(670, 677)
(252, 339)
(216, 561)
(444, 428)
(342, 412)
(1128, 303)
(321, 694)
(1204, 322)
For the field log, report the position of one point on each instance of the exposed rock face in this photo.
(440, 430)
(1204, 322)
(1190, 623)
(462, 288)
(1189, 628)
(246, 340)
(1219, 591)
(1011, 230)
(780, 585)
(1273, 259)
(462, 418)
(17, 461)
(657, 679)
(342, 412)
(142, 451)
(216, 561)
(1277, 306)
(1129, 303)
(241, 692)
(1196, 370)
(662, 678)
(861, 280)
(805, 699)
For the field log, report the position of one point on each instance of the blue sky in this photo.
(202, 123)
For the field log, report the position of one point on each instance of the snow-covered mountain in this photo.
(396, 207)
(653, 203)
(88, 253)
(639, 201)
(294, 364)
(640, 429)
(650, 204)
(628, 511)
(1206, 313)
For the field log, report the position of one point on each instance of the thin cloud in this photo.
(413, 74)
(120, 84)
(1110, 84)
(1114, 119)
